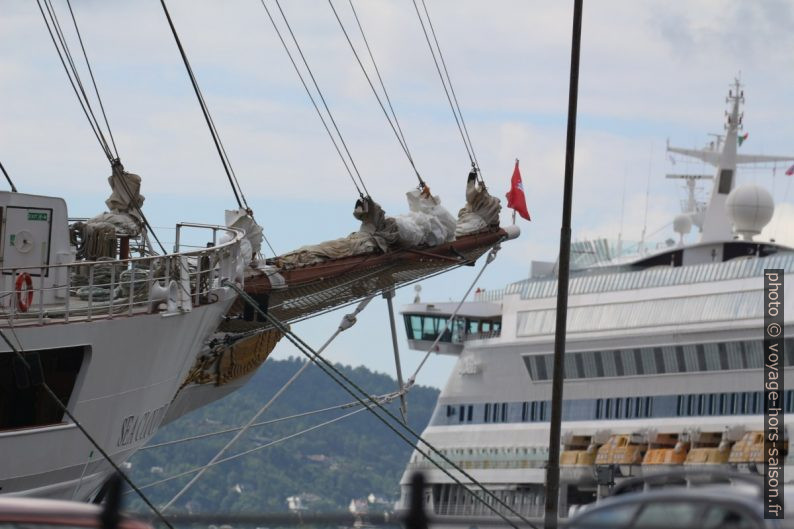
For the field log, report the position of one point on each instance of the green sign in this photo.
(37, 215)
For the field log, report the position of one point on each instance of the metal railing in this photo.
(104, 289)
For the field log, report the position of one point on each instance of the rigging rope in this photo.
(227, 166)
(319, 93)
(488, 260)
(346, 384)
(398, 134)
(455, 107)
(74, 81)
(20, 356)
(198, 437)
(246, 452)
(348, 320)
(5, 173)
(93, 80)
(65, 55)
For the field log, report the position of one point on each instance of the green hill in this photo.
(347, 459)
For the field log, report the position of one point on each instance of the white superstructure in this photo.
(664, 358)
(113, 338)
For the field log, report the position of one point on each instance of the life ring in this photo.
(25, 280)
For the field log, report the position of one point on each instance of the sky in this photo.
(650, 71)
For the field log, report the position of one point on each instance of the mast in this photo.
(716, 225)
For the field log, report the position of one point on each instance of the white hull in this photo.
(126, 383)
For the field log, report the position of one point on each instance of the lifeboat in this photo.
(578, 457)
(622, 450)
(709, 449)
(665, 452)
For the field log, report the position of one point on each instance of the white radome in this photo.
(682, 224)
(750, 208)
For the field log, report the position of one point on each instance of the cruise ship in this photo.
(663, 365)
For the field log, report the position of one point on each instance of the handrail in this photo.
(89, 290)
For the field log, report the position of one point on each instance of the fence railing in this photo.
(89, 290)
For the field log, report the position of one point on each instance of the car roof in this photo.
(58, 512)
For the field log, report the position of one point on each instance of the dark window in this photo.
(540, 366)
(450, 411)
(618, 408)
(524, 411)
(726, 181)
(543, 408)
(659, 358)
(469, 413)
(534, 411)
(487, 414)
(504, 412)
(679, 408)
(638, 362)
(679, 357)
(701, 355)
(649, 406)
(723, 355)
(461, 411)
(619, 363)
(598, 409)
(23, 401)
(599, 365)
(638, 407)
(579, 365)
(608, 409)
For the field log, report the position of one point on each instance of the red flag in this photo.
(790, 171)
(515, 197)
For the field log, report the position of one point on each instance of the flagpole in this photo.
(553, 467)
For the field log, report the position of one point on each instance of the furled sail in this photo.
(481, 212)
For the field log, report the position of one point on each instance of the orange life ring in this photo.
(25, 280)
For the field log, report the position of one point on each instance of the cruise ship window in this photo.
(619, 363)
(734, 404)
(533, 411)
(450, 411)
(570, 366)
(579, 361)
(487, 413)
(469, 413)
(629, 408)
(599, 365)
(618, 408)
(543, 411)
(691, 405)
(755, 354)
(733, 352)
(504, 412)
(607, 408)
(524, 411)
(788, 345)
(742, 403)
(460, 413)
(598, 408)
(670, 360)
(649, 406)
(701, 405)
(756, 402)
(540, 367)
(415, 327)
(658, 357)
(640, 365)
(628, 361)
(789, 401)
(608, 363)
(723, 405)
(691, 358)
(679, 359)
(713, 409)
(638, 406)
(588, 359)
(712, 356)
(648, 361)
(723, 354)
(701, 357)
(680, 407)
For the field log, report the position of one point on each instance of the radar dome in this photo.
(749, 208)
(682, 224)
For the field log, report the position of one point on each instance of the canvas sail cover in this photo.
(481, 212)
(377, 233)
(428, 223)
(243, 220)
